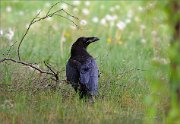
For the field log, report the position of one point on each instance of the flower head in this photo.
(64, 6)
(121, 25)
(142, 26)
(117, 7)
(143, 41)
(95, 19)
(140, 8)
(21, 13)
(102, 7)
(47, 4)
(103, 21)
(76, 10)
(87, 3)
(112, 9)
(10, 34)
(85, 11)
(1, 32)
(76, 2)
(83, 22)
(8, 9)
(129, 14)
(127, 21)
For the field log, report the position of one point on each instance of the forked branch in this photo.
(54, 74)
(48, 14)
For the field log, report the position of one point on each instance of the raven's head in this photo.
(85, 41)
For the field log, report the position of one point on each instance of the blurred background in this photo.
(132, 56)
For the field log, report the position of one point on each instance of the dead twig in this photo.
(55, 73)
(27, 64)
(26, 34)
(68, 19)
(48, 14)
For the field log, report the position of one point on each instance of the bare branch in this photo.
(68, 3)
(55, 73)
(48, 14)
(52, 7)
(26, 34)
(26, 64)
(68, 19)
(70, 14)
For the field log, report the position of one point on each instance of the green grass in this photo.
(131, 70)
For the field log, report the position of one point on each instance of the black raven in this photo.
(82, 70)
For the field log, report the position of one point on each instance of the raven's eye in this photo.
(84, 40)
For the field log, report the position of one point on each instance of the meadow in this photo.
(132, 56)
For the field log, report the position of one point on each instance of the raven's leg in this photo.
(83, 91)
(84, 94)
(75, 86)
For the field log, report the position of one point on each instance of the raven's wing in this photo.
(89, 76)
(72, 74)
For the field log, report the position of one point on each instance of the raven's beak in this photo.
(92, 39)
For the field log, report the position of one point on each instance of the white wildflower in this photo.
(10, 34)
(114, 17)
(87, 3)
(137, 19)
(108, 17)
(103, 21)
(142, 26)
(143, 41)
(47, 4)
(38, 11)
(151, 5)
(112, 9)
(27, 25)
(64, 6)
(154, 33)
(76, 2)
(102, 7)
(76, 10)
(111, 17)
(83, 22)
(8, 9)
(73, 27)
(140, 8)
(95, 19)
(127, 21)
(117, 7)
(63, 39)
(129, 14)
(1, 32)
(21, 13)
(121, 25)
(85, 11)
